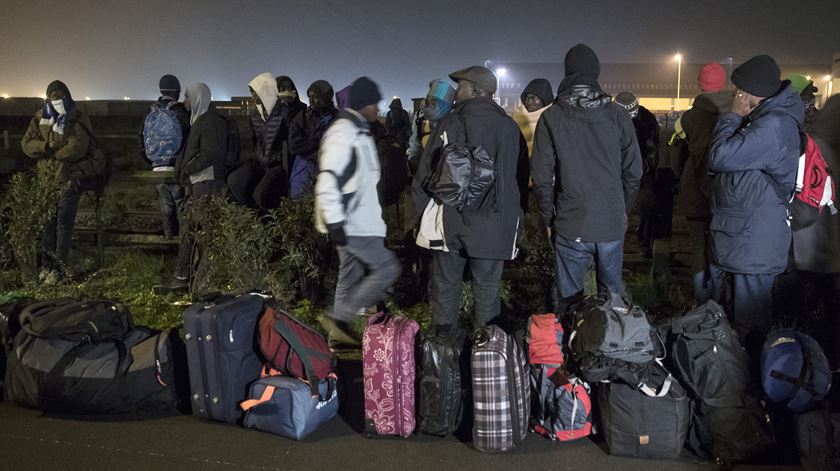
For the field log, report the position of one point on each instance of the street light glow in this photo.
(5, 96)
(678, 57)
(87, 98)
(827, 78)
(501, 71)
(126, 98)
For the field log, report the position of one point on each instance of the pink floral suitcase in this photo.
(388, 361)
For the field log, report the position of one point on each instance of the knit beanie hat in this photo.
(478, 75)
(58, 85)
(364, 92)
(582, 60)
(759, 76)
(712, 77)
(541, 88)
(169, 83)
(629, 102)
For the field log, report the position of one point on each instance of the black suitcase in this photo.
(222, 353)
(641, 426)
(442, 380)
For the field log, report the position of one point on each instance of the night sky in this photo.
(112, 49)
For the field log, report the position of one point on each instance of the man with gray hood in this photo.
(586, 167)
(200, 169)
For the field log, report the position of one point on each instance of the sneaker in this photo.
(174, 285)
(341, 336)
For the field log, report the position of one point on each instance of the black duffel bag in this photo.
(88, 358)
(444, 380)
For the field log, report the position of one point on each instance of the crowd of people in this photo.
(586, 157)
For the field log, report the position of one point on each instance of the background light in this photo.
(126, 98)
(678, 57)
(87, 98)
(501, 71)
(5, 96)
(827, 78)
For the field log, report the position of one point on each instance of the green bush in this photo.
(233, 246)
(28, 204)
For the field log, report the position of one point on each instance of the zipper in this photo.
(514, 405)
(444, 383)
(398, 395)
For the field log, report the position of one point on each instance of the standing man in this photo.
(201, 170)
(698, 125)
(753, 157)
(647, 134)
(347, 208)
(586, 168)
(398, 124)
(164, 136)
(536, 97)
(480, 239)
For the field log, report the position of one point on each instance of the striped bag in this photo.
(501, 391)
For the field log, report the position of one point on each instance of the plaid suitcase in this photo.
(501, 391)
(388, 348)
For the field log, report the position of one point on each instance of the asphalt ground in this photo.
(31, 441)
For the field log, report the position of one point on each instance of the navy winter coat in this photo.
(754, 161)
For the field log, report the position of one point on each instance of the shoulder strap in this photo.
(89, 133)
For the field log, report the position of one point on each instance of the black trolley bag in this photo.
(86, 358)
(222, 353)
(729, 424)
(444, 380)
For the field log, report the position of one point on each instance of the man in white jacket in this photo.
(347, 208)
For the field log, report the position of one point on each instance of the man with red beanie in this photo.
(698, 124)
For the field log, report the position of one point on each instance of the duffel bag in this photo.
(286, 406)
(818, 439)
(610, 326)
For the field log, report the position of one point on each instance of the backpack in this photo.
(794, 370)
(91, 172)
(162, 134)
(814, 186)
(232, 154)
(730, 423)
(561, 408)
(293, 349)
(545, 340)
(464, 174)
(609, 326)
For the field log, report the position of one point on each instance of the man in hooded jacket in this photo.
(698, 124)
(482, 238)
(397, 123)
(201, 170)
(260, 182)
(536, 97)
(305, 134)
(753, 158)
(59, 132)
(586, 166)
(436, 105)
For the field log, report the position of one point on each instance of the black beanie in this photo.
(364, 92)
(629, 102)
(582, 60)
(759, 76)
(58, 85)
(541, 88)
(169, 83)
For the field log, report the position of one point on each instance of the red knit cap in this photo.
(712, 77)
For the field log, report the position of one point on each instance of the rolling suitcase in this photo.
(222, 354)
(443, 380)
(388, 362)
(501, 391)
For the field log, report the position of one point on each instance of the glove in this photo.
(337, 235)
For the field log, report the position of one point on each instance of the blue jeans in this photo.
(748, 301)
(171, 198)
(574, 258)
(58, 233)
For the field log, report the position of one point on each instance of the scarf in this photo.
(55, 113)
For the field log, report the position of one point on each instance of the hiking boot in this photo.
(341, 336)
(174, 285)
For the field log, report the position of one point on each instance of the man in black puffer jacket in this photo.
(586, 166)
(753, 157)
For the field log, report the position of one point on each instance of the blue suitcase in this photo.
(222, 354)
(285, 406)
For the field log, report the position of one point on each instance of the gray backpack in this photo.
(609, 326)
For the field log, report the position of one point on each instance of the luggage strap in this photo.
(266, 395)
(804, 375)
(303, 353)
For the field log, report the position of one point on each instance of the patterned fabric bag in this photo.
(501, 391)
(388, 362)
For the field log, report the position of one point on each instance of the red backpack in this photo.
(545, 341)
(294, 349)
(814, 186)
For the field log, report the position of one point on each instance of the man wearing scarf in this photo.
(586, 167)
(260, 182)
(305, 134)
(60, 132)
(437, 104)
